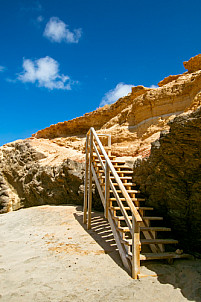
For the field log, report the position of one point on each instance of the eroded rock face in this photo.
(37, 173)
(171, 178)
(193, 64)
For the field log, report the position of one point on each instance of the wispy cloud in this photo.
(57, 31)
(45, 73)
(35, 6)
(39, 19)
(153, 86)
(2, 68)
(114, 94)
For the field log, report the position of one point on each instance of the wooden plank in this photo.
(138, 208)
(86, 181)
(158, 241)
(123, 199)
(107, 187)
(128, 184)
(135, 248)
(155, 229)
(120, 172)
(90, 182)
(151, 241)
(129, 191)
(152, 218)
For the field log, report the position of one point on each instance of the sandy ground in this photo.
(46, 254)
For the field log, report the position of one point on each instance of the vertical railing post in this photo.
(90, 182)
(86, 178)
(135, 248)
(109, 145)
(107, 188)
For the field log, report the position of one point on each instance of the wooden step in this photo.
(120, 172)
(121, 177)
(143, 217)
(151, 241)
(127, 184)
(128, 191)
(116, 167)
(152, 218)
(123, 229)
(125, 172)
(124, 199)
(123, 167)
(102, 156)
(159, 241)
(155, 229)
(121, 217)
(113, 161)
(138, 208)
(168, 255)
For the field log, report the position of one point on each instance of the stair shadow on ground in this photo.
(184, 275)
(101, 232)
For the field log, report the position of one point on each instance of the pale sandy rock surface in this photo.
(46, 254)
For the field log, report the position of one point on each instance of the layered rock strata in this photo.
(136, 120)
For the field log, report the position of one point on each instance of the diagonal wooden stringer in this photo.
(133, 232)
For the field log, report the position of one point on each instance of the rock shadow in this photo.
(182, 274)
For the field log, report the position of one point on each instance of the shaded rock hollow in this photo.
(171, 178)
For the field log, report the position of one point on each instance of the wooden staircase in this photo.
(136, 231)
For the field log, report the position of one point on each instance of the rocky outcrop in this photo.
(193, 64)
(37, 173)
(168, 80)
(171, 177)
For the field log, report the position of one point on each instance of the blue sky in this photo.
(61, 59)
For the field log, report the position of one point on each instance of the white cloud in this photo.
(39, 19)
(57, 31)
(153, 86)
(2, 68)
(44, 72)
(114, 94)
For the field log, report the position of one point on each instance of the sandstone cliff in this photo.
(136, 120)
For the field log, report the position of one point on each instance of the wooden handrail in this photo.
(132, 207)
